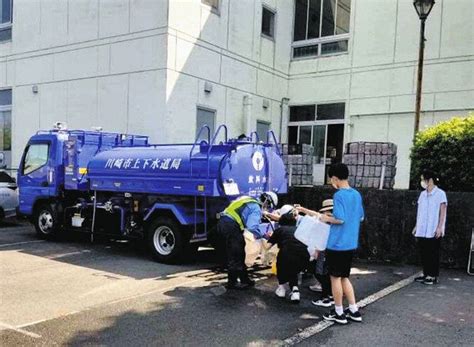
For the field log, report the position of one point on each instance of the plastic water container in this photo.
(76, 220)
(313, 233)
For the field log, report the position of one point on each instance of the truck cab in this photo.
(53, 170)
(40, 175)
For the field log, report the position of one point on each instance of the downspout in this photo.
(284, 116)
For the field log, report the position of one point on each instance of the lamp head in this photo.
(423, 7)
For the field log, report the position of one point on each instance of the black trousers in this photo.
(429, 255)
(326, 288)
(289, 265)
(230, 238)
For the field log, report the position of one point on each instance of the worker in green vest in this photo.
(242, 213)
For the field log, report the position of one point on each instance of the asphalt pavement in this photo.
(72, 292)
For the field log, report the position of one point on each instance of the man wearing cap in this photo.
(242, 213)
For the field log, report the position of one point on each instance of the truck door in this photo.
(35, 176)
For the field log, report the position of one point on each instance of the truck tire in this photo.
(166, 241)
(46, 221)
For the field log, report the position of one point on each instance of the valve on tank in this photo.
(108, 206)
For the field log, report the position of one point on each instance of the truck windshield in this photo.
(36, 156)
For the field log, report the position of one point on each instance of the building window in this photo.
(6, 20)
(321, 27)
(302, 113)
(268, 23)
(5, 127)
(262, 129)
(205, 117)
(214, 4)
(330, 111)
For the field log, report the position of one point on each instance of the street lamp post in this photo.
(423, 8)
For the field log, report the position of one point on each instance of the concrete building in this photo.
(316, 71)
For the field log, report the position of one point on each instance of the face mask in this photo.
(423, 184)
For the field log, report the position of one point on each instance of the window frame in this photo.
(316, 122)
(274, 12)
(215, 10)
(322, 39)
(7, 25)
(6, 108)
(26, 154)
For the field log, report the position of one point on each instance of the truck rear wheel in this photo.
(46, 221)
(166, 241)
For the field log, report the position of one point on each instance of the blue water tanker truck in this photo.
(122, 186)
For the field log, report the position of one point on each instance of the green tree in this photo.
(448, 149)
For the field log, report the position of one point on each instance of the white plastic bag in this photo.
(313, 233)
(253, 248)
(269, 253)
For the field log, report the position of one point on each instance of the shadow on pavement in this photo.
(114, 257)
(211, 315)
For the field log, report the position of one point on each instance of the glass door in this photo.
(319, 158)
(334, 146)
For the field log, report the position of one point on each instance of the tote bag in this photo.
(313, 233)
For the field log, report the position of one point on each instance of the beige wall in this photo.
(377, 77)
(226, 49)
(94, 62)
(141, 65)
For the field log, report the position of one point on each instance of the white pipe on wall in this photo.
(248, 126)
(284, 118)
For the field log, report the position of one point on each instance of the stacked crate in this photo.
(366, 160)
(298, 161)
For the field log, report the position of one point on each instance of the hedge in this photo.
(448, 149)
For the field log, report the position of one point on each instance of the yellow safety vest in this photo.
(236, 206)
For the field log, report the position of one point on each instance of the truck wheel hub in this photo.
(45, 222)
(164, 240)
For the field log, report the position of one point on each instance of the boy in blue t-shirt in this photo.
(342, 242)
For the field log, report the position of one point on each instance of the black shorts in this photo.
(339, 262)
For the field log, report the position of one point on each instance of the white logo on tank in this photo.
(257, 161)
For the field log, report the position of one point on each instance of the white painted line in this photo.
(386, 291)
(20, 243)
(4, 326)
(57, 256)
(317, 328)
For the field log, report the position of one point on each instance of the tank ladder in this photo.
(202, 208)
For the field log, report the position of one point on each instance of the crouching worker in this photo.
(292, 258)
(243, 213)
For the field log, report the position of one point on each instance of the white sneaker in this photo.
(280, 291)
(316, 288)
(295, 295)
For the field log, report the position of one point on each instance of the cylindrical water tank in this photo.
(228, 169)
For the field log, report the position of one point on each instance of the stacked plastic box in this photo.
(366, 161)
(298, 160)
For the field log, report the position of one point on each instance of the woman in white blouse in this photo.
(430, 226)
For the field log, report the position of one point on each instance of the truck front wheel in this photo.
(166, 241)
(45, 221)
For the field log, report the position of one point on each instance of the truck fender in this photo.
(183, 215)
